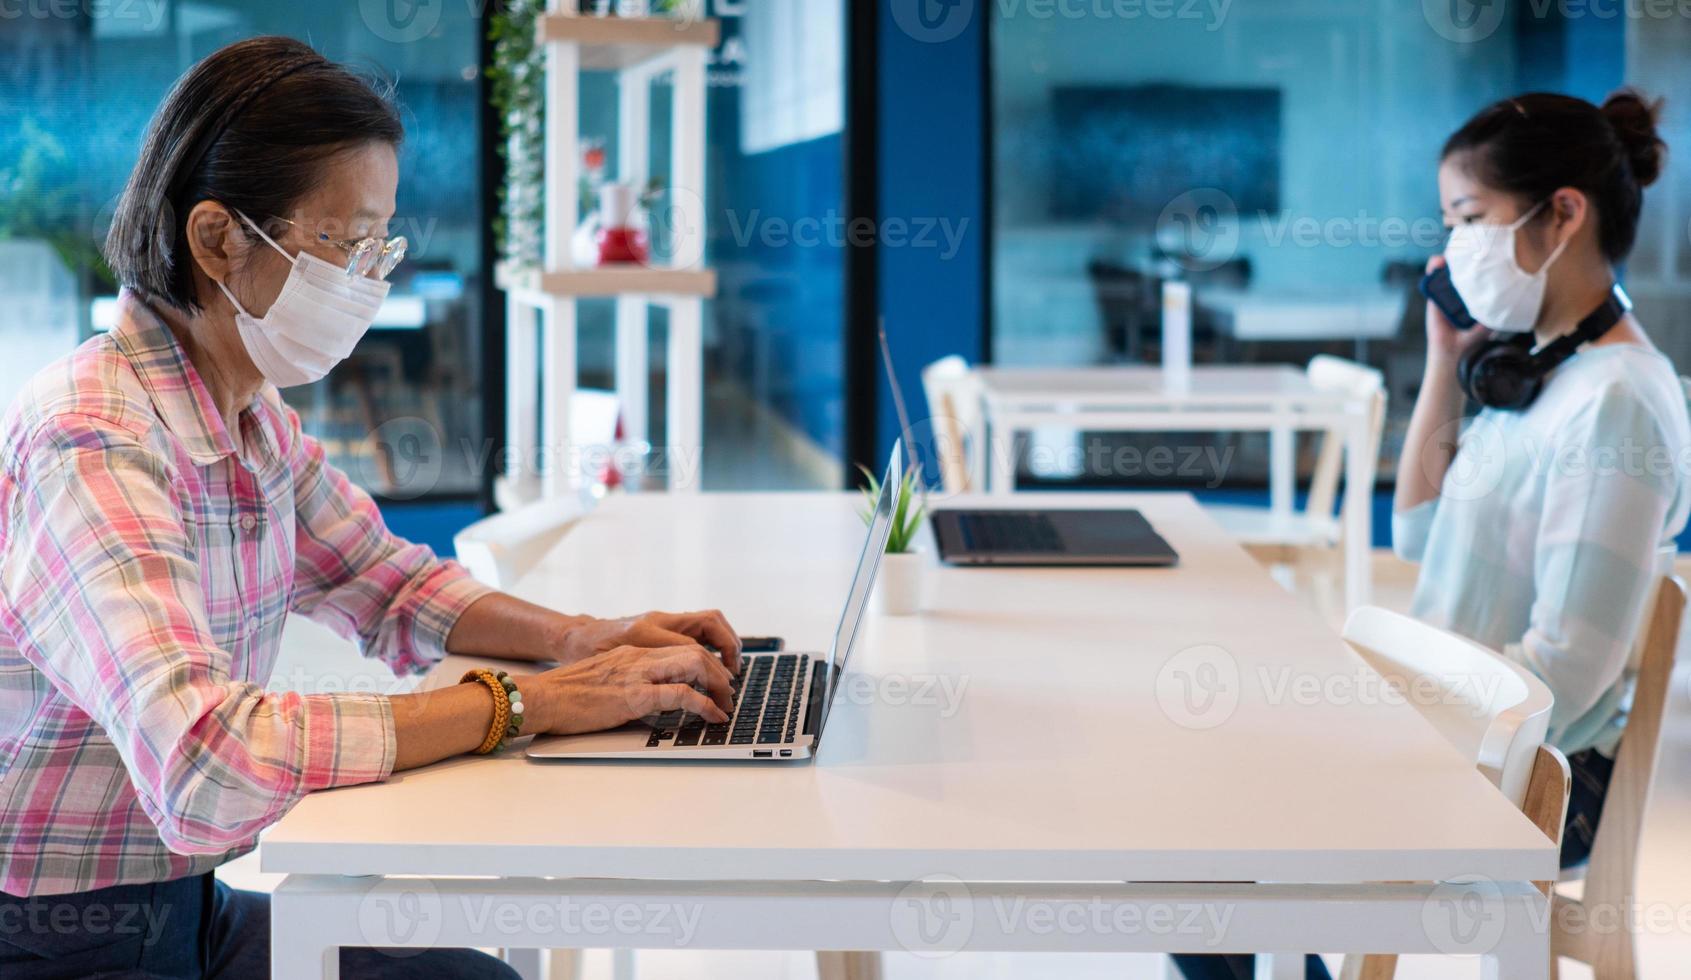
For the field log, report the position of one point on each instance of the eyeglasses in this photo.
(366, 256)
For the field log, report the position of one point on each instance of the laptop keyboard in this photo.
(1022, 533)
(767, 704)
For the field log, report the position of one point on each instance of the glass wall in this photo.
(774, 412)
(78, 84)
(1281, 157)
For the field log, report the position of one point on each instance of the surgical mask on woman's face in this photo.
(316, 321)
(1493, 286)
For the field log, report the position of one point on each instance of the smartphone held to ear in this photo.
(1438, 288)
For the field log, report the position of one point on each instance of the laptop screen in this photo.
(863, 579)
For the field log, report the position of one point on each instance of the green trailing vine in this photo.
(518, 74)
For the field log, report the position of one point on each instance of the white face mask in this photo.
(316, 321)
(1493, 286)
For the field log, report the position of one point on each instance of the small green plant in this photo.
(908, 508)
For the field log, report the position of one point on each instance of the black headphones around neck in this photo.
(1507, 373)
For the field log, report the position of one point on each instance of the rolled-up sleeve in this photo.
(1606, 498)
(1411, 528)
(101, 591)
(395, 598)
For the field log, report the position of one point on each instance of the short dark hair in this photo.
(1533, 144)
(251, 126)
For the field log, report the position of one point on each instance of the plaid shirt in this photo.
(147, 565)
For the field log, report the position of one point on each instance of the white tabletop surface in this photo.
(1136, 385)
(1069, 753)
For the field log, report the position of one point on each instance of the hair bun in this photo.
(1634, 120)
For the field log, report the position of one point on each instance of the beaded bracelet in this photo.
(507, 707)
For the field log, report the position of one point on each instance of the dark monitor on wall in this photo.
(1122, 153)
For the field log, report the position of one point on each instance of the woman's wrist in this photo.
(561, 632)
(539, 707)
(1439, 380)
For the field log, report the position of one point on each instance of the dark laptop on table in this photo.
(1049, 537)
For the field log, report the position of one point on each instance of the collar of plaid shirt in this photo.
(179, 394)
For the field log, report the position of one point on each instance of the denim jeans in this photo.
(1591, 771)
(190, 928)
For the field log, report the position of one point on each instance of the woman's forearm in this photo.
(500, 625)
(1430, 443)
(437, 724)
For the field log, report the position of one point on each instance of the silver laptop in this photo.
(781, 699)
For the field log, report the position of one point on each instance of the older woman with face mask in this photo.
(162, 514)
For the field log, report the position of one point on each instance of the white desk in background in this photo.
(1276, 399)
(1060, 760)
(1371, 313)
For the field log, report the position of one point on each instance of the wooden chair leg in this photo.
(1374, 966)
(563, 964)
(843, 965)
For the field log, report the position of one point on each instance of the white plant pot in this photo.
(898, 587)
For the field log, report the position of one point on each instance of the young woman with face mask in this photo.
(1538, 529)
(162, 513)
(1538, 526)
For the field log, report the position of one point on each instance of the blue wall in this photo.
(930, 129)
(795, 292)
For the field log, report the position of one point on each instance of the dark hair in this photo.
(251, 126)
(1534, 144)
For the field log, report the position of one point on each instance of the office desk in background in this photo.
(1276, 399)
(1080, 731)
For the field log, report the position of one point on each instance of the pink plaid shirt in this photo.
(147, 565)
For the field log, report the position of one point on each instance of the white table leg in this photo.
(301, 937)
(1524, 948)
(527, 963)
(622, 964)
(1358, 514)
(1281, 443)
(1279, 966)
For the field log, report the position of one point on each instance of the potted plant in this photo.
(899, 589)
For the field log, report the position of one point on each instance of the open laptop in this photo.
(781, 699)
(1049, 537)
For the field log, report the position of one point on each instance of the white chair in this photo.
(1290, 537)
(499, 549)
(1580, 927)
(954, 413)
(1494, 711)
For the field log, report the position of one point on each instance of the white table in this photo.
(1276, 399)
(1087, 760)
(1368, 313)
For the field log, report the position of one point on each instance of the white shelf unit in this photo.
(639, 50)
